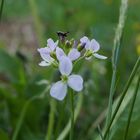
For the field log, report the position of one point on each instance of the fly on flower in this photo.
(62, 35)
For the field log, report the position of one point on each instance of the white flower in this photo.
(92, 47)
(73, 54)
(46, 52)
(59, 89)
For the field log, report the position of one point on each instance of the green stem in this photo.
(51, 119)
(66, 130)
(123, 95)
(112, 90)
(72, 114)
(131, 109)
(1, 9)
(58, 127)
(79, 59)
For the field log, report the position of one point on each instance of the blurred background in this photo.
(25, 26)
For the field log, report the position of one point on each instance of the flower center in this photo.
(64, 78)
(88, 53)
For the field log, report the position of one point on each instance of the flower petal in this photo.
(87, 46)
(74, 54)
(75, 82)
(84, 40)
(94, 45)
(99, 56)
(58, 90)
(65, 65)
(52, 44)
(59, 53)
(44, 63)
(45, 53)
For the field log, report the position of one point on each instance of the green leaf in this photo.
(119, 127)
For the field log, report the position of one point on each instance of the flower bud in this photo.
(80, 47)
(68, 44)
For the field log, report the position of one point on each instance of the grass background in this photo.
(25, 26)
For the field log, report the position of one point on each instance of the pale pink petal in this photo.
(99, 56)
(59, 53)
(94, 45)
(74, 54)
(65, 65)
(58, 90)
(75, 82)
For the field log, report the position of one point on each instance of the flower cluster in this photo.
(64, 58)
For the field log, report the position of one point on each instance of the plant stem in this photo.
(66, 130)
(132, 106)
(137, 64)
(115, 56)
(51, 119)
(1, 9)
(72, 114)
(60, 119)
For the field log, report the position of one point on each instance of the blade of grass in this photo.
(115, 56)
(37, 22)
(123, 95)
(1, 9)
(23, 112)
(132, 106)
(100, 132)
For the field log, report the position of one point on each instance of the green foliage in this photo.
(118, 129)
(19, 81)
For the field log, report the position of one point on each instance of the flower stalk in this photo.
(72, 114)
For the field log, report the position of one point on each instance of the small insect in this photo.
(62, 35)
